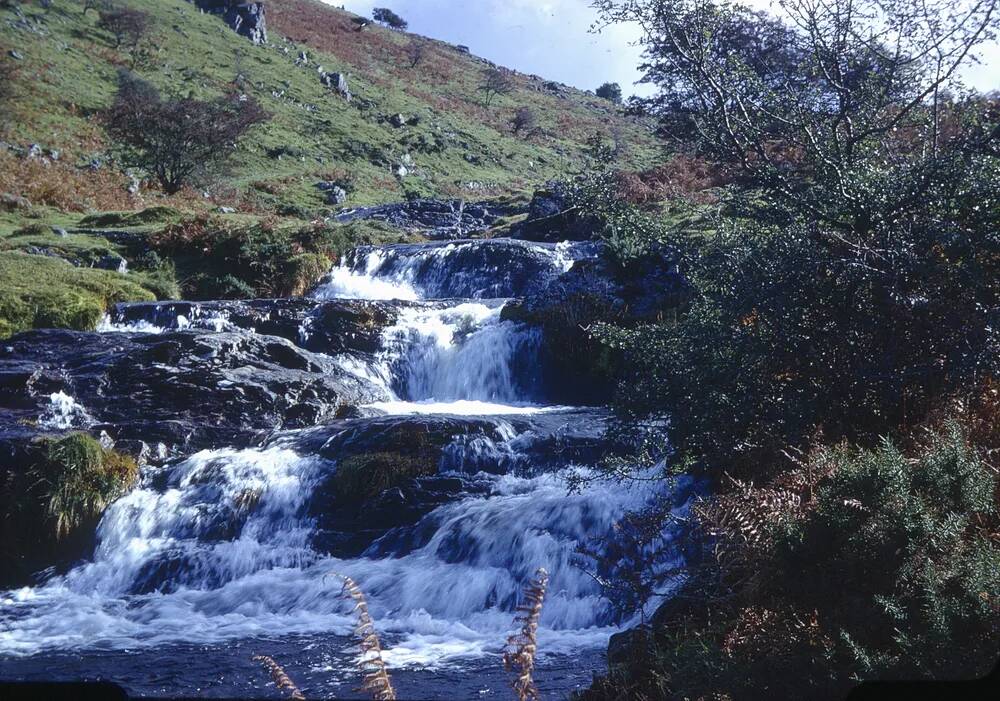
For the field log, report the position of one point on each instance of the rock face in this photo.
(184, 389)
(338, 83)
(245, 18)
(440, 219)
(577, 368)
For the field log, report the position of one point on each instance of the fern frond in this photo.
(519, 657)
(375, 673)
(281, 680)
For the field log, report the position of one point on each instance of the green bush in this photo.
(897, 555)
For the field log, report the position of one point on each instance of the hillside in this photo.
(449, 144)
(408, 131)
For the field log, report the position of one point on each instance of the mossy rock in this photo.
(54, 491)
(45, 292)
(362, 477)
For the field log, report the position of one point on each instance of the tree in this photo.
(525, 120)
(495, 82)
(390, 19)
(611, 92)
(811, 106)
(128, 26)
(415, 52)
(177, 140)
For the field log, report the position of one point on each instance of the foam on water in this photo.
(64, 412)
(227, 546)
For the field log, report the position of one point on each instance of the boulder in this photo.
(335, 194)
(245, 18)
(338, 83)
(188, 390)
(551, 218)
(439, 219)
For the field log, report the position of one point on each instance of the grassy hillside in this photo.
(60, 179)
(458, 148)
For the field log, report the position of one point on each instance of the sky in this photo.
(551, 38)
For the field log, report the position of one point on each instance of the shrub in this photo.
(365, 476)
(177, 141)
(525, 120)
(126, 25)
(611, 92)
(384, 15)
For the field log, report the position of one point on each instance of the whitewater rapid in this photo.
(221, 546)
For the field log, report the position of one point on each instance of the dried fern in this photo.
(281, 680)
(519, 657)
(375, 677)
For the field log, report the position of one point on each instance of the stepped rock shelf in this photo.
(399, 425)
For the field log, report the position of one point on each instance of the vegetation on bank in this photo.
(48, 512)
(831, 369)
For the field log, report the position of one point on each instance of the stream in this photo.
(225, 548)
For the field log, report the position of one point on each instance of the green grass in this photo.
(45, 292)
(72, 71)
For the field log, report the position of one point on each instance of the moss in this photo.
(365, 476)
(44, 292)
(80, 479)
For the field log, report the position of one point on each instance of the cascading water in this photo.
(228, 550)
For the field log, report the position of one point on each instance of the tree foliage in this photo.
(385, 16)
(493, 83)
(126, 25)
(177, 140)
(611, 92)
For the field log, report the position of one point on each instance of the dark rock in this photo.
(552, 218)
(335, 326)
(577, 368)
(436, 459)
(16, 55)
(397, 120)
(245, 18)
(626, 647)
(188, 390)
(112, 262)
(335, 193)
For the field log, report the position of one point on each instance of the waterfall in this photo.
(224, 545)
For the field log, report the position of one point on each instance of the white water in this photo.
(223, 552)
(64, 412)
(448, 599)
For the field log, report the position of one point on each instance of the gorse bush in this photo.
(897, 552)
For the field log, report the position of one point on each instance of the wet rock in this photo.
(186, 389)
(577, 368)
(400, 468)
(335, 326)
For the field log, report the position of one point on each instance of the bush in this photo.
(525, 120)
(384, 15)
(897, 554)
(611, 92)
(126, 25)
(178, 141)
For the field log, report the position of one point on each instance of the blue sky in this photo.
(551, 38)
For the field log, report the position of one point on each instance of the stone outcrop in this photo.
(438, 219)
(338, 83)
(245, 18)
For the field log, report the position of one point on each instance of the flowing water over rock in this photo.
(391, 428)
